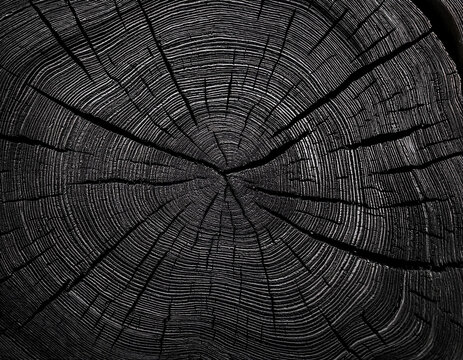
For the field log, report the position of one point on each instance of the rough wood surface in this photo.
(231, 179)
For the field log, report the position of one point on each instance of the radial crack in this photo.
(373, 330)
(24, 265)
(219, 235)
(119, 14)
(21, 139)
(340, 338)
(322, 199)
(82, 30)
(133, 182)
(261, 7)
(363, 22)
(145, 286)
(374, 257)
(388, 137)
(164, 329)
(271, 155)
(167, 64)
(173, 121)
(35, 198)
(59, 40)
(229, 92)
(104, 254)
(374, 43)
(99, 122)
(47, 302)
(155, 267)
(328, 32)
(299, 259)
(283, 98)
(356, 75)
(260, 61)
(276, 152)
(208, 208)
(261, 252)
(280, 53)
(246, 120)
(424, 165)
(154, 243)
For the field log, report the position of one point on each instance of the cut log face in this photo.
(231, 180)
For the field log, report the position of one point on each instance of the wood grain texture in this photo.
(231, 179)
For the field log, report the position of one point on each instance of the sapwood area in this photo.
(231, 179)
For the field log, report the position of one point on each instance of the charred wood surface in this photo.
(231, 179)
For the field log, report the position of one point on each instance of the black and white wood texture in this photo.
(231, 179)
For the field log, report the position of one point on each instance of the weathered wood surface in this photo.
(231, 180)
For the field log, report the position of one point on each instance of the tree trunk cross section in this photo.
(231, 180)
